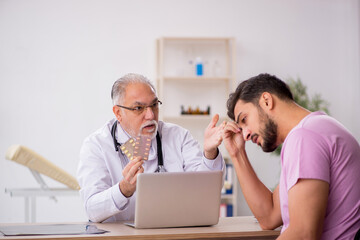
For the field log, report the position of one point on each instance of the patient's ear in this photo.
(266, 101)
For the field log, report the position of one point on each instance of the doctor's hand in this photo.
(128, 184)
(233, 139)
(213, 137)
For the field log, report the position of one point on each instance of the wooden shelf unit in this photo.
(179, 85)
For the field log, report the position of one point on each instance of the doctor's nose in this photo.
(246, 134)
(149, 113)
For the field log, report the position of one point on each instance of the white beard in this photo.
(153, 131)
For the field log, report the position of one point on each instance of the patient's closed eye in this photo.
(243, 120)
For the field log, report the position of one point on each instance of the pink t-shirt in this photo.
(319, 147)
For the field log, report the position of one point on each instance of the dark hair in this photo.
(250, 91)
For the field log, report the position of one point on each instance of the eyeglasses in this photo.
(141, 108)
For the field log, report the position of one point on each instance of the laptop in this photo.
(177, 199)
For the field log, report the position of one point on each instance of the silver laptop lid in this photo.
(178, 199)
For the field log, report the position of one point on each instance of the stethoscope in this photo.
(160, 167)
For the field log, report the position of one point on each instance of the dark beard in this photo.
(269, 134)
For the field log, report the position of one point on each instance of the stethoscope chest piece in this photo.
(160, 169)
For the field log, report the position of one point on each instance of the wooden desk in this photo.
(227, 228)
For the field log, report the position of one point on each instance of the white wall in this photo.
(59, 58)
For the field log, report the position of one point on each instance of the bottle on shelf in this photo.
(196, 111)
(190, 68)
(199, 67)
(216, 69)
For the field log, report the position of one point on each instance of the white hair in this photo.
(119, 86)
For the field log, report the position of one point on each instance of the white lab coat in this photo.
(100, 168)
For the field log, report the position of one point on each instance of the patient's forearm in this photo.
(262, 202)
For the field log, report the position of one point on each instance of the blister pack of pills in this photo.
(140, 146)
(128, 148)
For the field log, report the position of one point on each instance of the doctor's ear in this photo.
(117, 112)
(266, 101)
